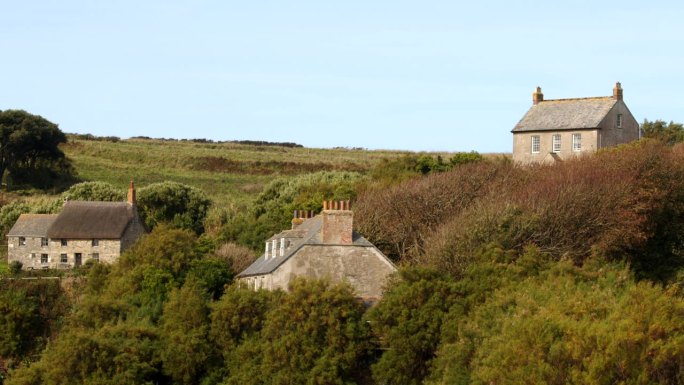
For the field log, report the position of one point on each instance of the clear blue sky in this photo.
(415, 75)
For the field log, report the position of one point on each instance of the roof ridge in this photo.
(570, 99)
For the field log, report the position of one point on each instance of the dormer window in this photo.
(618, 121)
(282, 246)
(268, 248)
(274, 248)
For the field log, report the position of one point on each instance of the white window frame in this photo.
(576, 142)
(63, 258)
(536, 144)
(556, 143)
(44, 242)
(282, 246)
(47, 259)
(274, 249)
(618, 121)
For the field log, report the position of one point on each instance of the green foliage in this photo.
(315, 335)
(409, 321)
(669, 133)
(125, 353)
(29, 151)
(174, 204)
(273, 208)
(568, 326)
(29, 314)
(15, 267)
(184, 329)
(94, 191)
(211, 274)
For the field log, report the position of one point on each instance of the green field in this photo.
(227, 172)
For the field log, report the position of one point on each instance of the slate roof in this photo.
(32, 225)
(86, 220)
(310, 231)
(566, 114)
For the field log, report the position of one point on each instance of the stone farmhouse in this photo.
(558, 129)
(83, 231)
(321, 246)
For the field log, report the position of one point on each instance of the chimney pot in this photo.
(131, 194)
(537, 96)
(617, 91)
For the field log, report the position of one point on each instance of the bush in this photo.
(15, 267)
(174, 204)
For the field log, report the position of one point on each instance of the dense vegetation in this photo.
(571, 273)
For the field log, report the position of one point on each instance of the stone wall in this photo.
(522, 146)
(365, 268)
(31, 254)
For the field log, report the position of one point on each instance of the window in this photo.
(268, 248)
(535, 144)
(556, 143)
(63, 258)
(282, 246)
(274, 248)
(96, 257)
(77, 259)
(22, 241)
(96, 242)
(43, 242)
(576, 142)
(64, 242)
(618, 121)
(43, 258)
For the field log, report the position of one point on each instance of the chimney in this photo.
(131, 194)
(537, 96)
(617, 91)
(297, 219)
(338, 220)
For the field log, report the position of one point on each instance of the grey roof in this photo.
(566, 114)
(85, 220)
(32, 225)
(310, 231)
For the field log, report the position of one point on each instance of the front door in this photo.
(77, 259)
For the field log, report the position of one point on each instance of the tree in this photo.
(175, 204)
(29, 150)
(669, 133)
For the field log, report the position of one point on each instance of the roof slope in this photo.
(32, 225)
(310, 231)
(85, 220)
(566, 114)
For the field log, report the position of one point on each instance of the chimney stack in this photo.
(537, 96)
(617, 91)
(338, 220)
(131, 194)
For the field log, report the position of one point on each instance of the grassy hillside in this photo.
(228, 172)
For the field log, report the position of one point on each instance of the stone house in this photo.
(321, 246)
(82, 231)
(557, 129)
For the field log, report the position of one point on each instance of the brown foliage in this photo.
(239, 257)
(398, 219)
(623, 202)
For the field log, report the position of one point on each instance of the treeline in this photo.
(571, 273)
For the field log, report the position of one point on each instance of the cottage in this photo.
(321, 246)
(83, 231)
(558, 129)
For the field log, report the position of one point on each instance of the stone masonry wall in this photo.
(365, 268)
(30, 254)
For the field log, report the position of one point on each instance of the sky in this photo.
(405, 75)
